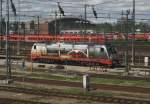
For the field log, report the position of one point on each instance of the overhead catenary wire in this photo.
(99, 7)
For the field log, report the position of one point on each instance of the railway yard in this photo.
(44, 82)
(58, 85)
(61, 52)
(41, 81)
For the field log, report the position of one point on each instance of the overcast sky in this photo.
(108, 10)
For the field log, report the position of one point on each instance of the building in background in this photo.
(65, 25)
(71, 25)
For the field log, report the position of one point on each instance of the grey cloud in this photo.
(44, 8)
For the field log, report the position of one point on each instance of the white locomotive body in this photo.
(80, 50)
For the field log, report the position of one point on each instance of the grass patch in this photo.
(138, 83)
(75, 91)
(78, 91)
(57, 77)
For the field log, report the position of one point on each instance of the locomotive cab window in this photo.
(34, 46)
(112, 50)
(102, 49)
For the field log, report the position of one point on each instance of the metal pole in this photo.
(122, 21)
(1, 29)
(126, 56)
(81, 25)
(60, 24)
(133, 48)
(55, 22)
(18, 42)
(85, 17)
(8, 65)
(1, 17)
(59, 30)
(38, 25)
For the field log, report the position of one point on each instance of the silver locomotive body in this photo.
(94, 51)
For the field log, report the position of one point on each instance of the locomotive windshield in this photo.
(111, 50)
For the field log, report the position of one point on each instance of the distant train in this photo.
(75, 54)
(94, 38)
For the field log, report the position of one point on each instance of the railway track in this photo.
(41, 71)
(131, 89)
(81, 96)
(15, 101)
(108, 76)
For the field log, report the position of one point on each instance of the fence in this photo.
(139, 59)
